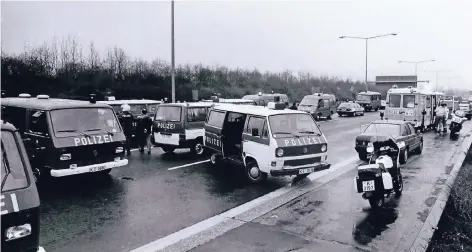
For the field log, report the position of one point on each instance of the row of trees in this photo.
(64, 68)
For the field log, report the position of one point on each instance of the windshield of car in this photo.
(383, 129)
(76, 121)
(309, 101)
(169, 113)
(363, 97)
(287, 125)
(13, 173)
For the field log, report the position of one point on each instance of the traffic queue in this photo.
(63, 137)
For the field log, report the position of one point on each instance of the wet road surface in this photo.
(145, 201)
(335, 218)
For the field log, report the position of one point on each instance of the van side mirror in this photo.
(255, 132)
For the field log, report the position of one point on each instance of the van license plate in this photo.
(165, 136)
(368, 186)
(97, 168)
(306, 170)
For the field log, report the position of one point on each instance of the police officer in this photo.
(127, 120)
(143, 131)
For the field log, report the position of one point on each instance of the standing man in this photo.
(294, 106)
(127, 120)
(144, 131)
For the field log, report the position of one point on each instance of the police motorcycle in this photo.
(381, 176)
(458, 119)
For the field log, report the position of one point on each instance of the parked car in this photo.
(383, 129)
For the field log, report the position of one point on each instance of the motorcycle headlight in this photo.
(280, 152)
(370, 149)
(324, 147)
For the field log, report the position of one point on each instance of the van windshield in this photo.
(287, 125)
(309, 101)
(77, 121)
(363, 97)
(382, 129)
(169, 113)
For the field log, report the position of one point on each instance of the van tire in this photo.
(168, 149)
(329, 117)
(197, 148)
(250, 171)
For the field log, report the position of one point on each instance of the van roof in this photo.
(255, 110)
(7, 126)
(49, 104)
(370, 93)
(412, 91)
(321, 95)
(188, 104)
(130, 102)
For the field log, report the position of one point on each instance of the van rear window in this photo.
(169, 113)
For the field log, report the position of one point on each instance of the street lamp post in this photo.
(416, 63)
(366, 49)
(173, 52)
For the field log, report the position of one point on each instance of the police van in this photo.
(19, 198)
(262, 99)
(67, 137)
(266, 140)
(136, 107)
(180, 125)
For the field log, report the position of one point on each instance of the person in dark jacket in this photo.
(294, 106)
(143, 131)
(127, 120)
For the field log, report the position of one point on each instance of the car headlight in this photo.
(119, 150)
(65, 156)
(279, 152)
(324, 147)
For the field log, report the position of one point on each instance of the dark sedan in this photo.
(381, 129)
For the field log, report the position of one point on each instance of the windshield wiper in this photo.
(309, 132)
(73, 130)
(104, 130)
(289, 133)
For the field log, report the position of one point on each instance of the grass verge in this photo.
(454, 231)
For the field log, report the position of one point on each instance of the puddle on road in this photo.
(375, 222)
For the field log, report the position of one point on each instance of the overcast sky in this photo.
(269, 35)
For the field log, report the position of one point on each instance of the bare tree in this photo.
(94, 58)
(121, 61)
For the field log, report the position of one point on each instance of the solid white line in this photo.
(186, 165)
(213, 221)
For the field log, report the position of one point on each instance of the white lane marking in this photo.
(186, 165)
(217, 219)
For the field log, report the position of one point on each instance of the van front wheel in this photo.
(197, 148)
(254, 174)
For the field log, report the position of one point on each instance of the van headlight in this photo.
(65, 156)
(119, 150)
(324, 147)
(17, 232)
(279, 152)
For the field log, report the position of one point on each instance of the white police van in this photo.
(266, 140)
